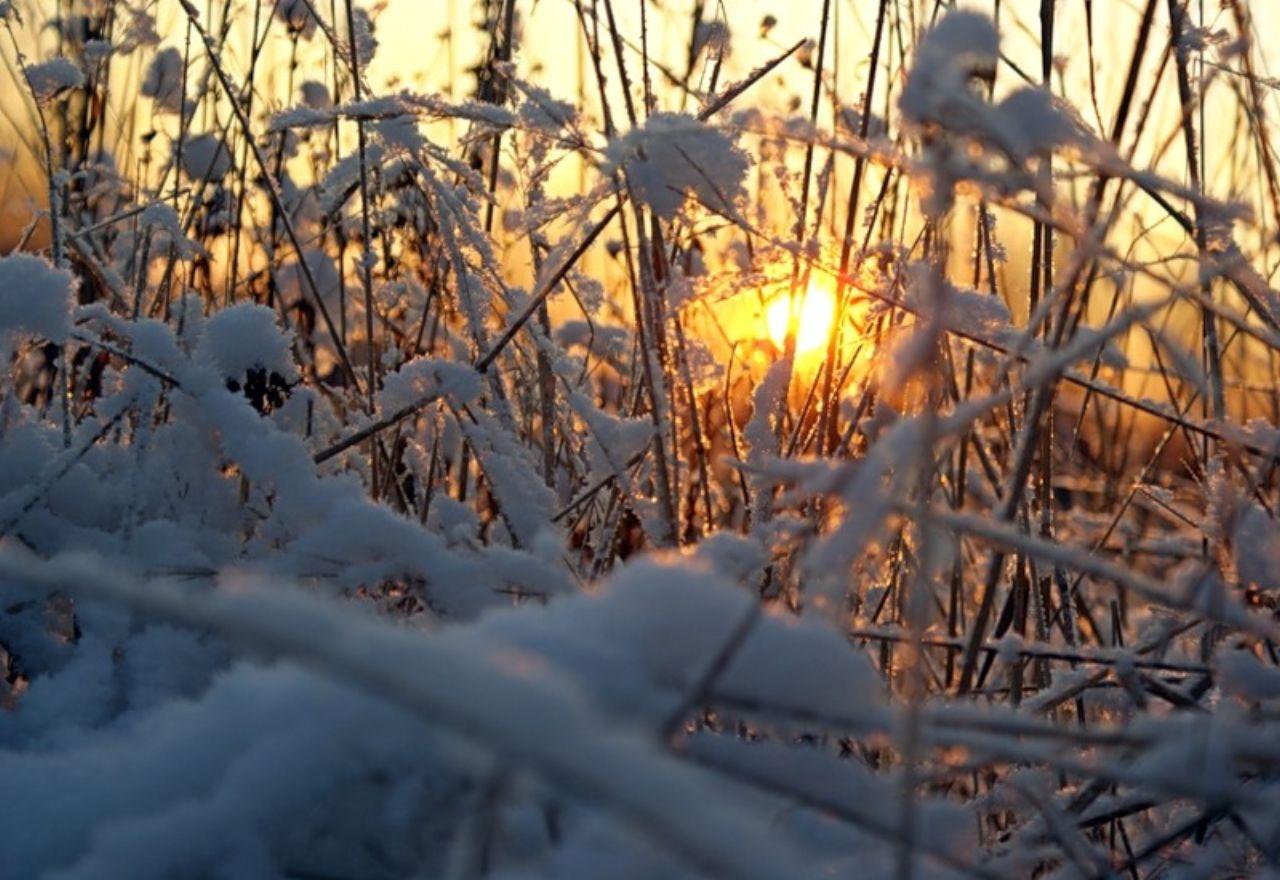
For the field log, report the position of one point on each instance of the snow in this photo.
(205, 158)
(296, 15)
(424, 378)
(673, 156)
(48, 79)
(366, 41)
(614, 441)
(294, 286)
(163, 81)
(1031, 122)
(35, 297)
(1245, 677)
(97, 51)
(1257, 546)
(944, 102)
(543, 112)
(962, 45)
(139, 31)
(525, 503)
(399, 133)
(214, 778)
(458, 618)
(316, 95)
(244, 337)
(165, 219)
(602, 341)
(805, 666)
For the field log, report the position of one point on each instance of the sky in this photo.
(429, 44)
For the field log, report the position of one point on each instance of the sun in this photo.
(817, 317)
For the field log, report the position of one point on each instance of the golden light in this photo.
(817, 318)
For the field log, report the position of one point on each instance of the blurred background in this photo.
(441, 47)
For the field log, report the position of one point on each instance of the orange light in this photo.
(817, 318)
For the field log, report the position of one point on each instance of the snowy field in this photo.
(597, 439)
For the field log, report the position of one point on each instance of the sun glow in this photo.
(817, 317)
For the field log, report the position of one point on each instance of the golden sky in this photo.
(429, 44)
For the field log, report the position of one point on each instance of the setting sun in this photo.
(817, 314)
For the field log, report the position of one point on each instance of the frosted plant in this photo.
(729, 460)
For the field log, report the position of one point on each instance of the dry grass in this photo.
(1043, 528)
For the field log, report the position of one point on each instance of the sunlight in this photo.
(817, 317)
(713, 390)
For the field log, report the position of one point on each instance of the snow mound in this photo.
(244, 337)
(35, 297)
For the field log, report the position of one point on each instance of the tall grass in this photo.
(1028, 471)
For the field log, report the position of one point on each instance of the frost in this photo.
(966, 311)
(400, 133)
(541, 111)
(534, 557)
(307, 116)
(602, 341)
(1256, 432)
